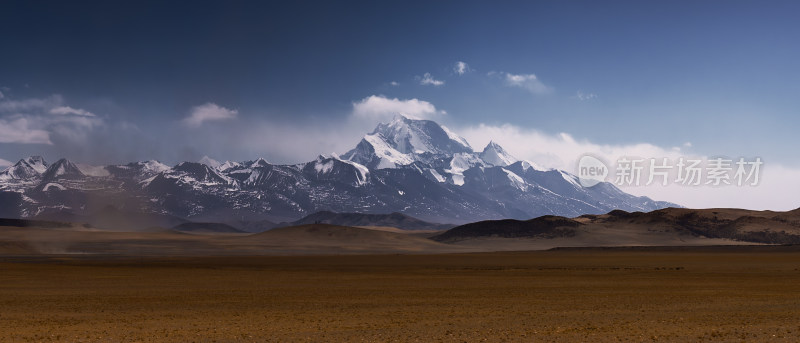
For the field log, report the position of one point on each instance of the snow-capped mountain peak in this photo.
(25, 169)
(62, 168)
(153, 166)
(416, 136)
(37, 163)
(210, 162)
(229, 165)
(494, 154)
(405, 140)
(525, 164)
(260, 162)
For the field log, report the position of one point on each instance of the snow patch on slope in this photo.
(463, 161)
(436, 175)
(516, 180)
(37, 163)
(362, 171)
(52, 185)
(323, 168)
(570, 178)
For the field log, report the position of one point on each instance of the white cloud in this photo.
(293, 142)
(5, 163)
(585, 96)
(62, 110)
(379, 108)
(769, 194)
(427, 79)
(21, 130)
(528, 82)
(394, 83)
(41, 120)
(313, 136)
(562, 151)
(461, 68)
(2, 96)
(208, 112)
(31, 104)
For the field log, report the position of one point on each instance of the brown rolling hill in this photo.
(208, 228)
(345, 239)
(395, 220)
(671, 226)
(312, 239)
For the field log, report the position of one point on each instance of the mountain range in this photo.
(410, 166)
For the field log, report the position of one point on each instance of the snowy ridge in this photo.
(456, 137)
(516, 180)
(153, 166)
(530, 165)
(228, 165)
(209, 162)
(260, 162)
(388, 157)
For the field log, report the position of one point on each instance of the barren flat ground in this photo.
(627, 294)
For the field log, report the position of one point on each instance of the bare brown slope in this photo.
(395, 219)
(768, 227)
(672, 226)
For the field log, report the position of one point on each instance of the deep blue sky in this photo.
(719, 74)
